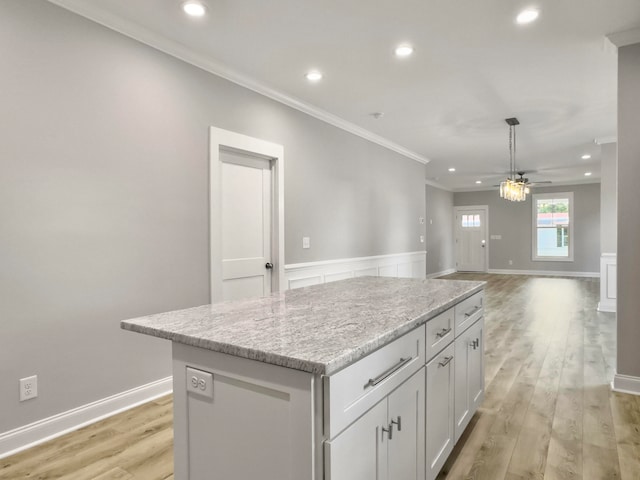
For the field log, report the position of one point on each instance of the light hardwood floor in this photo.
(548, 412)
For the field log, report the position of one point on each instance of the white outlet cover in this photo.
(28, 388)
(200, 382)
(306, 242)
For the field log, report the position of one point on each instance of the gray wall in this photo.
(439, 237)
(628, 215)
(104, 200)
(512, 220)
(609, 199)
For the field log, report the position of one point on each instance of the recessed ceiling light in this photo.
(404, 50)
(527, 16)
(313, 76)
(478, 181)
(452, 169)
(587, 174)
(586, 156)
(194, 8)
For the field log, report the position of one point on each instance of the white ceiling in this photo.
(473, 67)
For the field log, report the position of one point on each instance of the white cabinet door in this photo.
(360, 452)
(476, 366)
(469, 375)
(439, 411)
(406, 415)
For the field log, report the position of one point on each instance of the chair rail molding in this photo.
(608, 282)
(401, 265)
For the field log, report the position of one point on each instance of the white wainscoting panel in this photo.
(608, 282)
(405, 265)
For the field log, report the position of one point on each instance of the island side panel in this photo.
(263, 421)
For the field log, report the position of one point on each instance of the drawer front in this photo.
(440, 333)
(468, 311)
(352, 391)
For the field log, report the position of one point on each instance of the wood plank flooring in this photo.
(548, 411)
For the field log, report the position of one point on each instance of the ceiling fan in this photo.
(521, 179)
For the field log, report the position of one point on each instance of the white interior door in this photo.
(247, 216)
(246, 225)
(471, 238)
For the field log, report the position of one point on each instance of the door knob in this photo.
(268, 265)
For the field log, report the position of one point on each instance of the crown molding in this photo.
(625, 38)
(437, 185)
(183, 53)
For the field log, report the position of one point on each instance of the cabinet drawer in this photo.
(468, 311)
(352, 391)
(440, 331)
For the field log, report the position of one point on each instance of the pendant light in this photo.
(512, 189)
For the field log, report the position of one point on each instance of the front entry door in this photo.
(471, 238)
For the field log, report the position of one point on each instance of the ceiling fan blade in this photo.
(540, 183)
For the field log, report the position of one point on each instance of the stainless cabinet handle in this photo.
(472, 311)
(398, 423)
(387, 373)
(443, 332)
(446, 361)
(388, 431)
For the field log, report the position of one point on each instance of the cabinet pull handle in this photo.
(443, 332)
(446, 361)
(388, 431)
(398, 423)
(387, 373)
(472, 311)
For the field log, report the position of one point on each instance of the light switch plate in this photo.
(200, 382)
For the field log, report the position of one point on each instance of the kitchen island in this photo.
(356, 379)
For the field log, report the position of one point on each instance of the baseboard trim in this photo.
(626, 384)
(442, 273)
(545, 273)
(404, 265)
(28, 436)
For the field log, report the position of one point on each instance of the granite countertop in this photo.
(319, 329)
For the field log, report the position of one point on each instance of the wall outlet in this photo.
(306, 242)
(28, 388)
(421, 220)
(199, 382)
(421, 238)
(510, 262)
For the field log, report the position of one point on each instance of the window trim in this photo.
(534, 227)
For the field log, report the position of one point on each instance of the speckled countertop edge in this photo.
(302, 328)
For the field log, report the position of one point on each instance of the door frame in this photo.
(461, 208)
(225, 139)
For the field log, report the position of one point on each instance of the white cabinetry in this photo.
(386, 443)
(469, 375)
(439, 410)
(455, 377)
